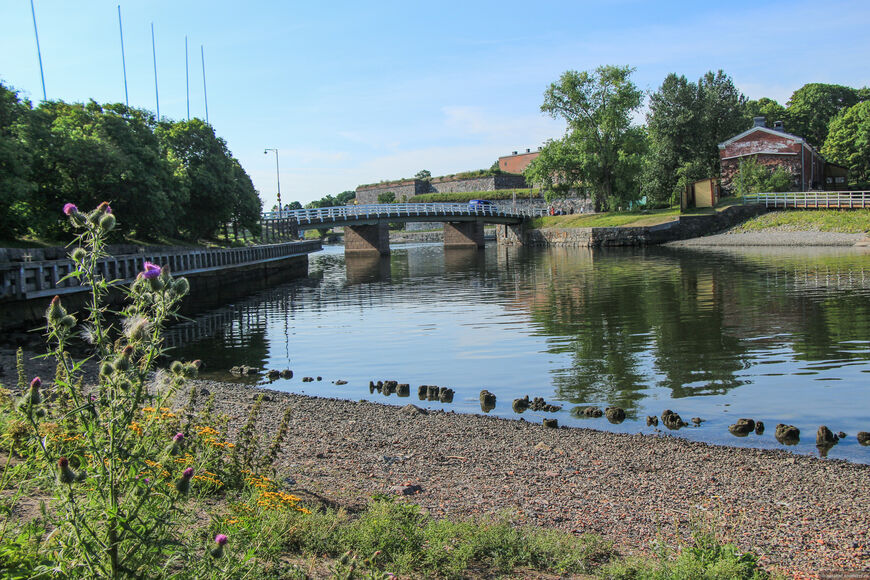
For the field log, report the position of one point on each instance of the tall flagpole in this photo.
(38, 51)
(154, 54)
(187, 77)
(204, 93)
(123, 59)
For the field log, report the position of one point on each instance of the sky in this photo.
(360, 92)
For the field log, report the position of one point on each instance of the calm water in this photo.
(779, 335)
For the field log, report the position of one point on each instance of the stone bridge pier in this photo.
(463, 234)
(367, 239)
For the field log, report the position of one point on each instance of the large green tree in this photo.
(771, 110)
(812, 107)
(203, 169)
(88, 153)
(686, 121)
(601, 148)
(848, 142)
(15, 163)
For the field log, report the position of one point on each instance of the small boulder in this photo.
(759, 428)
(286, 374)
(432, 393)
(204, 392)
(672, 420)
(592, 412)
(825, 437)
(406, 489)
(615, 415)
(413, 410)
(520, 405)
(403, 390)
(445, 395)
(697, 421)
(551, 423)
(273, 374)
(340, 382)
(787, 434)
(742, 427)
(652, 421)
(421, 392)
(841, 435)
(863, 437)
(487, 401)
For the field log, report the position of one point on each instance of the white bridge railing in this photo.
(811, 199)
(399, 210)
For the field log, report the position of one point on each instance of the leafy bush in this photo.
(754, 177)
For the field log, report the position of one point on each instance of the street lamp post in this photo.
(278, 176)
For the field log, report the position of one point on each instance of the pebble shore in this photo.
(800, 514)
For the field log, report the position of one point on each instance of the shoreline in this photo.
(798, 513)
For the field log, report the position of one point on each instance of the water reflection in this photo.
(782, 335)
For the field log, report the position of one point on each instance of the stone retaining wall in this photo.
(685, 227)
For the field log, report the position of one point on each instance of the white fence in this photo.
(811, 199)
(397, 210)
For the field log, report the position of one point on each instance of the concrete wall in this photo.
(517, 162)
(207, 290)
(367, 239)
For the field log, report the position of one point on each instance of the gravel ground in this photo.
(800, 514)
(773, 238)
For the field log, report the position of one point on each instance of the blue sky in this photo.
(359, 92)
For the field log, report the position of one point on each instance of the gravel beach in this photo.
(801, 514)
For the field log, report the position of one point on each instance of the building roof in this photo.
(770, 131)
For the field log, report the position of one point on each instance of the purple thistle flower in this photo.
(151, 271)
(218, 551)
(179, 437)
(187, 473)
(221, 539)
(70, 209)
(35, 383)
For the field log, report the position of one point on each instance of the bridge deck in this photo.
(399, 212)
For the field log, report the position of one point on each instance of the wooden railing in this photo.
(811, 199)
(25, 280)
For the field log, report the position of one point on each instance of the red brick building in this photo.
(517, 162)
(773, 148)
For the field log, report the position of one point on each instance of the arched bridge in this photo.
(366, 226)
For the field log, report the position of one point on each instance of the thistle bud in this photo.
(122, 363)
(107, 222)
(55, 311)
(183, 483)
(104, 208)
(177, 367)
(221, 541)
(191, 371)
(157, 284)
(106, 369)
(70, 209)
(68, 321)
(181, 286)
(78, 254)
(66, 475)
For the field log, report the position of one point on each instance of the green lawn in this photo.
(847, 221)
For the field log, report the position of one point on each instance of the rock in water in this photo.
(742, 427)
(863, 437)
(551, 423)
(825, 438)
(787, 434)
(615, 414)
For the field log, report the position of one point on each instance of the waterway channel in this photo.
(780, 335)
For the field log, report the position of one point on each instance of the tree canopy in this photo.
(166, 179)
(686, 121)
(848, 142)
(601, 150)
